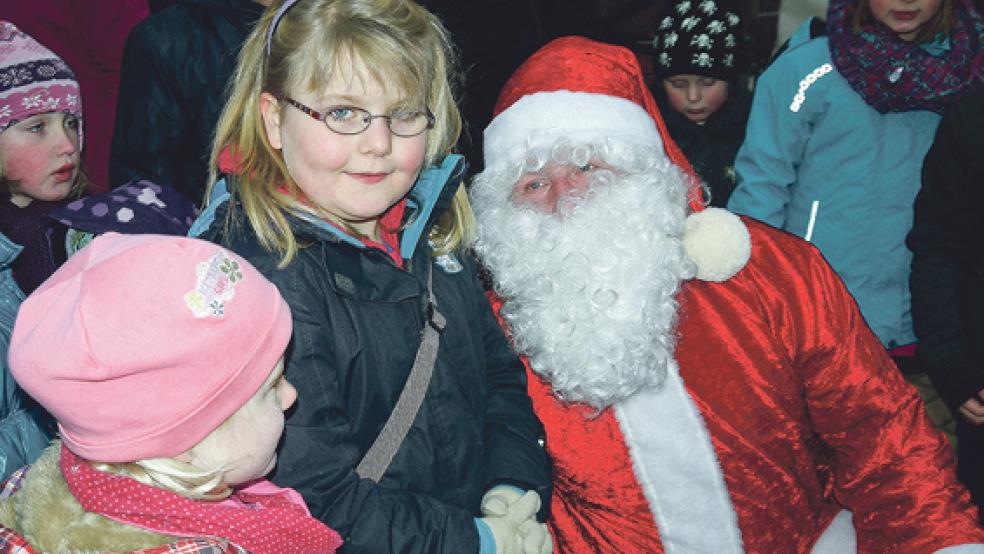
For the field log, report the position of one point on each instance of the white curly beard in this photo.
(589, 295)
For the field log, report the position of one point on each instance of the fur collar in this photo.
(44, 511)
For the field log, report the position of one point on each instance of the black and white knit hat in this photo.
(698, 37)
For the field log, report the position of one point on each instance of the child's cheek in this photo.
(25, 165)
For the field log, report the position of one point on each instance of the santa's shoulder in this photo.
(778, 256)
(769, 242)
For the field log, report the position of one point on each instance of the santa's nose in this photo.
(568, 180)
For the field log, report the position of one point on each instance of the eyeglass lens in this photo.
(349, 120)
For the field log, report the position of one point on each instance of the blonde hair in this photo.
(942, 22)
(186, 478)
(399, 42)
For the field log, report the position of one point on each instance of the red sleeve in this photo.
(889, 466)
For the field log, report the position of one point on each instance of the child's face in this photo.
(248, 448)
(904, 17)
(40, 155)
(695, 96)
(354, 178)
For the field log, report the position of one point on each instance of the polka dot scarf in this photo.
(261, 524)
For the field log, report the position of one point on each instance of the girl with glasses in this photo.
(333, 174)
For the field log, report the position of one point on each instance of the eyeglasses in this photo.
(349, 120)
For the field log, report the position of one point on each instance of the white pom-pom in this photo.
(717, 242)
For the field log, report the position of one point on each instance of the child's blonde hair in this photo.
(402, 45)
(942, 22)
(187, 478)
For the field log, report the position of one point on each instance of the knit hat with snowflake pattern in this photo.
(33, 80)
(697, 37)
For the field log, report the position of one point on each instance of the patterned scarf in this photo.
(893, 75)
(262, 524)
(44, 244)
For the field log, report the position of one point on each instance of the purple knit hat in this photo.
(33, 80)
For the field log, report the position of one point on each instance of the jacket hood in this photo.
(807, 31)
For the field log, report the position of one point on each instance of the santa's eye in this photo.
(531, 186)
(586, 167)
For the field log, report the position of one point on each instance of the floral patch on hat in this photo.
(217, 278)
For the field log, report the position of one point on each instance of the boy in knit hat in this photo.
(168, 390)
(696, 56)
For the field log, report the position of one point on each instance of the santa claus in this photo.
(706, 382)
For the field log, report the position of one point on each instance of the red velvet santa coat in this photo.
(801, 415)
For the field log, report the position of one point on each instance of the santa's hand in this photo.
(506, 528)
(497, 500)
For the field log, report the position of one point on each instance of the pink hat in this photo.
(141, 345)
(33, 80)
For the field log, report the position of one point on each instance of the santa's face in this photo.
(583, 242)
(546, 188)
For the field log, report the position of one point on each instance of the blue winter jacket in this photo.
(820, 163)
(24, 426)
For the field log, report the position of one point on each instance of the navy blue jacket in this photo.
(357, 326)
(172, 82)
(947, 240)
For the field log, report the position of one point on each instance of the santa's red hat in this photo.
(582, 89)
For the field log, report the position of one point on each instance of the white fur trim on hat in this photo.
(718, 242)
(545, 116)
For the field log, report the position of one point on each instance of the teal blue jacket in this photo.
(819, 162)
(24, 427)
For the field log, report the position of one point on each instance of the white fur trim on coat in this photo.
(678, 470)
